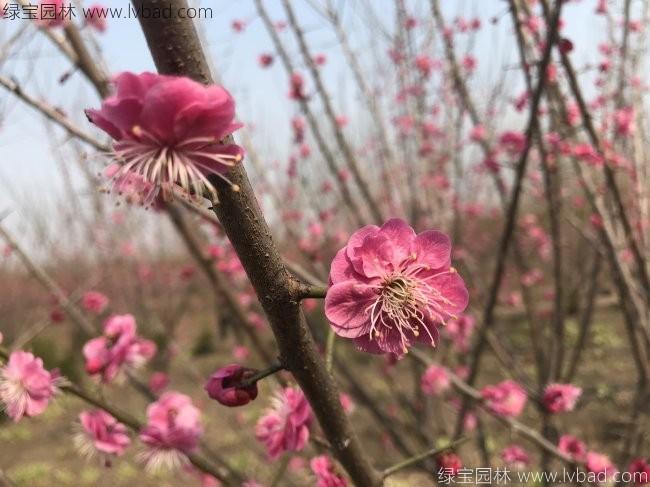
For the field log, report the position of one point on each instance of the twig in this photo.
(421, 456)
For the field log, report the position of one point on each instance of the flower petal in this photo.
(432, 248)
(345, 308)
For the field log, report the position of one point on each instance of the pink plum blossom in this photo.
(96, 17)
(600, 465)
(238, 25)
(118, 347)
(560, 398)
(639, 469)
(297, 87)
(53, 13)
(460, 330)
(285, 426)
(224, 385)
(624, 121)
(240, 352)
(173, 429)
(101, 434)
(572, 447)
(325, 472)
(265, 60)
(94, 302)
(26, 388)
(506, 399)
(167, 130)
(516, 456)
(390, 288)
(320, 59)
(435, 380)
(447, 465)
(158, 382)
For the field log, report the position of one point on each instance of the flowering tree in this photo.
(463, 263)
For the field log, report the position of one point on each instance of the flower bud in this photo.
(224, 385)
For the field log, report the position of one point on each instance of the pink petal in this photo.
(432, 248)
(345, 306)
(401, 236)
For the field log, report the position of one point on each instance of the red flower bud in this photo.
(225, 385)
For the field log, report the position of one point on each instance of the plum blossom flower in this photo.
(639, 470)
(390, 288)
(600, 465)
(624, 121)
(96, 17)
(516, 456)
(325, 472)
(513, 142)
(26, 388)
(588, 153)
(572, 447)
(94, 302)
(347, 403)
(435, 380)
(469, 63)
(167, 130)
(118, 347)
(425, 65)
(506, 399)
(53, 13)
(448, 464)
(101, 434)
(224, 385)
(238, 25)
(297, 87)
(560, 398)
(265, 60)
(460, 330)
(320, 59)
(158, 382)
(285, 426)
(173, 429)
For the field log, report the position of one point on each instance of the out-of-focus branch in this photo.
(511, 214)
(217, 280)
(48, 283)
(52, 114)
(325, 99)
(311, 119)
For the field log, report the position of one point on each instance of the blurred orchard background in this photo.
(354, 111)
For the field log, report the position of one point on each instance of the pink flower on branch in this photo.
(96, 17)
(225, 386)
(601, 466)
(173, 429)
(572, 447)
(53, 13)
(506, 399)
(435, 380)
(26, 388)
(285, 426)
(560, 398)
(326, 475)
(391, 288)
(101, 434)
(118, 347)
(516, 456)
(94, 302)
(639, 470)
(168, 129)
